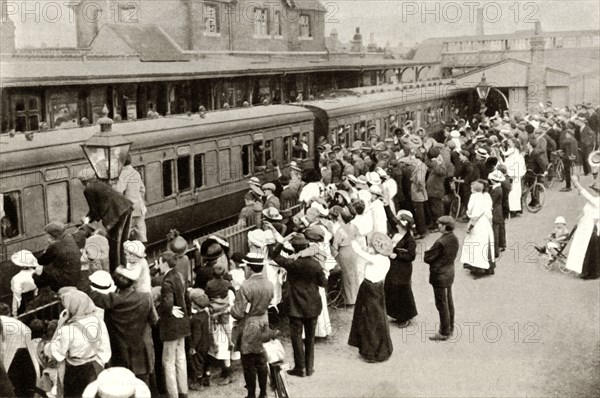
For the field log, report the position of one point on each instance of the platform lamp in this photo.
(106, 152)
(483, 90)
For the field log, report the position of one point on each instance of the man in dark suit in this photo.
(110, 207)
(250, 309)
(288, 197)
(128, 315)
(61, 260)
(441, 259)
(174, 324)
(305, 275)
(568, 145)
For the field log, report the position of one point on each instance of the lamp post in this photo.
(483, 90)
(106, 152)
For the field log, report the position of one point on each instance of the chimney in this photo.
(7, 32)
(357, 46)
(536, 75)
(480, 31)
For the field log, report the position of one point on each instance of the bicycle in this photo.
(560, 259)
(535, 195)
(335, 297)
(556, 168)
(455, 204)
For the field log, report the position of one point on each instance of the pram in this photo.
(560, 259)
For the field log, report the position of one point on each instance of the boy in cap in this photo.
(441, 257)
(271, 199)
(250, 309)
(200, 340)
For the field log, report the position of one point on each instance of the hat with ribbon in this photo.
(254, 181)
(405, 218)
(481, 153)
(24, 259)
(373, 178)
(362, 183)
(255, 261)
(271, 213)
(102, 282)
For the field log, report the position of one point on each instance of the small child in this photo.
(200, 341)
(559, 235)
(137, 268)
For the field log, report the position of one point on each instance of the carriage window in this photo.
(10, 214)
(225, 165)
(167, 177)
(183, 174)
(199, 171)
(57, 200)
(304, 145)
(268, 151)
(258, 149)
(246, 160)
(287, 149)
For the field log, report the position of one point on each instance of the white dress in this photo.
(478, 247)
(364, 224)
(516, 169)
(585, 228)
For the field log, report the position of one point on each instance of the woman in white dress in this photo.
(516, 169)
(364, 224)
(586, 262)
(478, 247)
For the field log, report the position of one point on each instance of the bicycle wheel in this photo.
(335, 298)
(547, 264)
(560, 171)
(551, 176)
(535, 196)
(455, 208)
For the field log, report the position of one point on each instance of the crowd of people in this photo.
(358, 215)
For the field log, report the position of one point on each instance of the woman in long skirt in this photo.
(370, 331)
(478, 247)
(399, 298)
(586, 263)
(345, 256)
(515, 166)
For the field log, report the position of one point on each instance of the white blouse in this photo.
(19, 284)
(377, 265)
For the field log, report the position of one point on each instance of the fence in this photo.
(46, 312)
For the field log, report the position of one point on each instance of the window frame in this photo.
(304, 30)
(261, 22)
(200, 174)
(19, 216)
(50, 218)
(206, 18)
(26, 112)
(189, 187)
(173, 178)
(250, 160)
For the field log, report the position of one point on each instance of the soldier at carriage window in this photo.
(131, 185)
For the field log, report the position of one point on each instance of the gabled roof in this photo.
(314, 5)
(150, 42)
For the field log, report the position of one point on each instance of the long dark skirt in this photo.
(22, 374)
(591, 262)
(370, 331)
(400, 301)
(78, 377)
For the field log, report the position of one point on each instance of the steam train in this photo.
(195, 169)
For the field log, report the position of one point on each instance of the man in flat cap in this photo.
(271, 200)
(61, 261)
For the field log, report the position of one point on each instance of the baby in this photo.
(559, 235)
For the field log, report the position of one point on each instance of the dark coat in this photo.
(288, 198)
(62, 260)
(441, 259)
(272, 201)
(105, 203)
(401, 267)
(497, 197)
(129, 315)
(506, 188)
(173, 293)
(304, 277)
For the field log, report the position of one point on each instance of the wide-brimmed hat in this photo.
(497, 176)
(352, 179)
(254, 181)
(376, 190)
(117, 382)
(24, 259)
(405, 218)
(294, 166)
(254, 261)
(357, 145)
(362, 183)
(454, 134)
(135, 247)
(373, 178)
(594, 159)
(482, 153)
(102, 282)
(345, 195)
(409, 124)
(415, 141)
(257, 191)
(271, 213)
(382, 244)
(382, 173)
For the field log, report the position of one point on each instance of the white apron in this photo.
(478, 246)
(581, 237)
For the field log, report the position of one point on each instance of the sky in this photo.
(390, 20)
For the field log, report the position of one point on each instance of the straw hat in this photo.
(594, 159)
(102, 282)
(405, 218)
(116, 382)
(135, 247)
(381, 243)
(271, 213)
(24, 259)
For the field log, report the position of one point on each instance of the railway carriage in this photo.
(195, 171)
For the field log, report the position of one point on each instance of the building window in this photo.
(277, 23)
(183, 174)
(10, 214)
(305, 25)
(261, 21)
(199, 171)
(246, 160)
(57, 201)
(211, 19)
(167, 177)
(27, 113)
